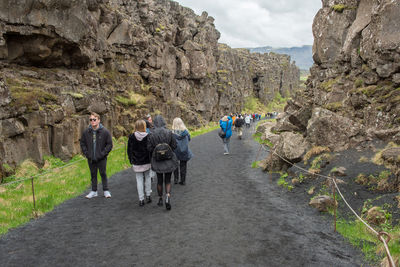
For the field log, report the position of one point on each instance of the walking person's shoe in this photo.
(160, 202)
(107, 194)
(92, 194)
(168, 202)
(148, 199)
(141, 202)
(175, 181)
(182, 183)
(226, 153)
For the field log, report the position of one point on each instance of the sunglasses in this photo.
(92, 119)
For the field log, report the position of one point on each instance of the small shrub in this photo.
(315, 151)
(362, 179)
(301, 178)
(125, 101)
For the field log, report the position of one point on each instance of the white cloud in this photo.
(254, 23)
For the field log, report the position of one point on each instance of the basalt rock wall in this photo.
(353, 92)
(123, 59)
(356, 74)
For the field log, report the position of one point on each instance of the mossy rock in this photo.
(30, 97)
(327, 85)
(339, 8)
(334, 106)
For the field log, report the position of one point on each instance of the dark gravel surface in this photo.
(227, 214)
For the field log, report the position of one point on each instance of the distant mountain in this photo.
(302, 55)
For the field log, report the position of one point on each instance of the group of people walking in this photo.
(152, 148)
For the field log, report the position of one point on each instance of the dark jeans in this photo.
(101, 166)
(161, 180)
(182, 170)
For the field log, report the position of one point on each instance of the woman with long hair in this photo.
(139, 157)
(182, 151)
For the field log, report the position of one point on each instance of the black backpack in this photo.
(162, 152)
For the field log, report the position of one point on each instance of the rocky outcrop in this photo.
(353, 93)
(122, 59)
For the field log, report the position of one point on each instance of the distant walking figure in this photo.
(226, 126)
(239, 122)
(96, 143)
(139, 157)
(161, 144)
(182, 150)
(247, 120)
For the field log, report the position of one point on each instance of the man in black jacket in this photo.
(239, 122)
(96, 143)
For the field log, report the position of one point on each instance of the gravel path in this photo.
(227, 214)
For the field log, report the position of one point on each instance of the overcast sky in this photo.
(256, 23)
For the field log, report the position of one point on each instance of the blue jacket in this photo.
(226, 126)
(182, 150)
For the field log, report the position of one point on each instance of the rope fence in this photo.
(379, 235)
(32, 178)
(53, 169)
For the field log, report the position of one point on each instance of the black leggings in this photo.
(161, 180)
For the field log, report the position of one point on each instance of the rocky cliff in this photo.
(61, 59)
(353, 93)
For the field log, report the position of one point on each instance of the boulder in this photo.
(11, 127)
(322, 203)
(198, 64)
(290, 147)
(339, 171)
(326, 128)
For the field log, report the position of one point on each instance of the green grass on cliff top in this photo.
(55, 182)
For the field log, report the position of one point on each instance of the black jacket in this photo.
(103, 143)
(160, 135)
(137, 150)
(239, 122)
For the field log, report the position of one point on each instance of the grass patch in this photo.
(125, 101)
(254, 165)
(339, 8)
(257, 138)
(358, 235)
(52, 186)
(205, 129)
(56, 182)
(314, 151)
(282, 182)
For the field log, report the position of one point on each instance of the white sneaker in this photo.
(91, 194)
(107, 194)
(226, 153)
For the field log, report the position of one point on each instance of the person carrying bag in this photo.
(226, 127)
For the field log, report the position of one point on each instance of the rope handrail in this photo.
(379, 235)
(50, 170)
